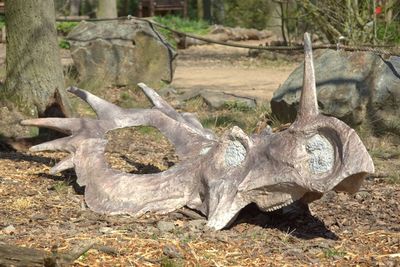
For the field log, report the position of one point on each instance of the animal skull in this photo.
(216, 176)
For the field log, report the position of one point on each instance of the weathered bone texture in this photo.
(216, 176)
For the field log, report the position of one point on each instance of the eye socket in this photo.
(321, 154)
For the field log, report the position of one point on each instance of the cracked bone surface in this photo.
(217, 176)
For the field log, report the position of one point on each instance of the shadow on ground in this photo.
(295, 219)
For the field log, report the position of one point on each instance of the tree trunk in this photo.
(107, 9)
(75, 7)
(34, 75)
(200, 9)
(207, 10)
(89, 8)
(218, 11)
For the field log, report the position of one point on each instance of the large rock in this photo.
(359, 88)
(217, 100)
(121, 53)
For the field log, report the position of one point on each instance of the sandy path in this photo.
(229, 70)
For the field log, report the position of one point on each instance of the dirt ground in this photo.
(41, 211)
(230, 70)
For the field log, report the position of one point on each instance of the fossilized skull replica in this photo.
(216, 176)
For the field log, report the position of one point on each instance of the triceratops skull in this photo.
(216, 176)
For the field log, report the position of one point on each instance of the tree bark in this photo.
(107, 9)
(75, 7)
(34, 76)
(218, 11)
(207, 10)
(200, 9)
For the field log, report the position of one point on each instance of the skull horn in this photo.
(308, 100)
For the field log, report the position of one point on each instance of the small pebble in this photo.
(9, 230)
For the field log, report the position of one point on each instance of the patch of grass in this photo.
(394, 179)
(125, 96)
(2, 21)
(237, 106)
(274, 122)
(61, 187)
(334, 253)
(83, 257)
(3, 72)
(154, 236)
(198, 27)
(64, 44)
(221, 121)
(196, 104)
(186, 239)
(248, 119)
(94, 85)
(384, 153)
(389, 33)
(149, 131)
(131, 98)
(126, 100)
(287, 236)
(64, 28)
(167, 262)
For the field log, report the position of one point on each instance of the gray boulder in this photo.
(121, 53)
(359, 88)
(384, 102)
(217, 100)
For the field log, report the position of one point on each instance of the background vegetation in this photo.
(360, 22)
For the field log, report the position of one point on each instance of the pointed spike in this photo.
(153, 96)
(63, 165)
(160, 103)
(308, 100)
(104, 110)
(65, 125)
(193, 120)
(167, 109)
(62, 144)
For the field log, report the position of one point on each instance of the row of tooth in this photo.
(287, 203)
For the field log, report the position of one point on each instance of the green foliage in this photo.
(2, 21)
(127, 7)
(237, 106)
(222, 121)
(61, 187)
(64, 44)
(192, 9)
(167, 262)
(334, 253)
(394, 178)
(248, 14)
(64, 28)
(199, 27)
(149, 131)
(384, 153)
(248, 119)
(389, 33)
